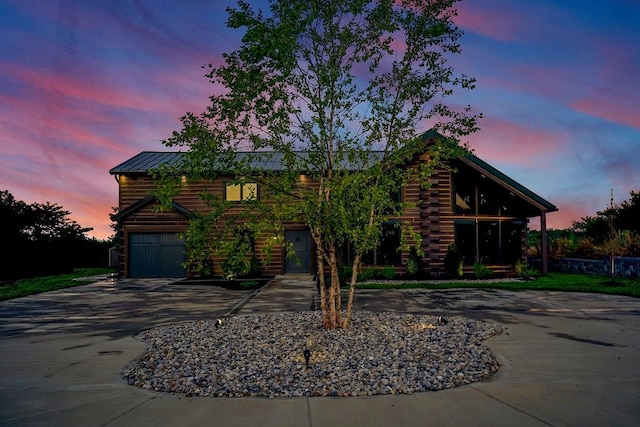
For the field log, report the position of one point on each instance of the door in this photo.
(301, 246)
(156, 255)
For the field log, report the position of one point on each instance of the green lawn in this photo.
(36, 285)
(554, 281)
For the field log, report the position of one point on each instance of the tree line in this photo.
(39, 239)
(615, 229)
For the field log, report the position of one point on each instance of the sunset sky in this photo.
(84, 85)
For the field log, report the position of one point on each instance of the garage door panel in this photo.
(156, 255)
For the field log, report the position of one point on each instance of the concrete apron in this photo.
(567, 359)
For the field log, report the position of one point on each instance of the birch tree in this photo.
(333, 92)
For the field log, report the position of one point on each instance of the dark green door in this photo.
(301, 245)
(156, 255)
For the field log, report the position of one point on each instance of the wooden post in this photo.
(543, 242)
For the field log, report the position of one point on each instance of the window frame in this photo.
(243, 189)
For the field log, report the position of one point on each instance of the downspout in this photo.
(543, 242)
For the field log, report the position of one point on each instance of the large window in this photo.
(240, 192)
(490, 242)
(466, 240)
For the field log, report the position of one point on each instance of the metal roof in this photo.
(147, 160)
(274, 161)
(259, 160)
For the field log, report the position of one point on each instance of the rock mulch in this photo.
(262, 355)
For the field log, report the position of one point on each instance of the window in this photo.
(465, 232)
(496, 243)
(240, 192)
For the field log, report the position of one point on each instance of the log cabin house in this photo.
(472, 205)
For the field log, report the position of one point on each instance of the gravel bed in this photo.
(262, 355)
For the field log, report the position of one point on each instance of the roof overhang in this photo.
(147, 201)
(501, 179)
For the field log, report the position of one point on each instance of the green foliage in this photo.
(369, 274)
(24, 287)
(615, 228)
(481, 271)
(453, 262)
(42, 240)
(255, 265)
(248, 284)
(346, 271)
(413, 263)
(328, 79)
(524, 270)
(238, 250)
(388, 272)
(564, 282)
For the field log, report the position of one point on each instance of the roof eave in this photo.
(502, 179)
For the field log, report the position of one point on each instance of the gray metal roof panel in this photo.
(273, 161)
(145, 161)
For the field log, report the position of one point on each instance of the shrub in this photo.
(345, 272)
(255, 266)
(413, 263)
(388, 272)
(248, 284)
(482, 271)
(453, 262)
(524, 270)
(368, 274)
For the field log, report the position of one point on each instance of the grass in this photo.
(565, 282)
(24, 287)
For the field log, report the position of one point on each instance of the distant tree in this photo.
(41, 239)
(629, 213)
(326, 84)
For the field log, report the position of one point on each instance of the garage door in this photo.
(156, 255)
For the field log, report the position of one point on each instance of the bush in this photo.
(345, 272)
(453, 262)
(413, 263)
(482, 271)
(388, 272)
(524, 270)
(368, 274)
(248, 284)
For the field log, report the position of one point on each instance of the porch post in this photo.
(543, 242)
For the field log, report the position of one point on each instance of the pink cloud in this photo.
(514, 143)
(615, 92)
(603, 108)
(496, 21)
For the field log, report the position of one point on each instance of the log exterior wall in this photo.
(148, 219)
(431, 215)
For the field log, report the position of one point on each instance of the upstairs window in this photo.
(240, 192)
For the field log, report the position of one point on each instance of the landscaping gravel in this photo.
(262, 355)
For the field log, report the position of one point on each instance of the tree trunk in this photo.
(323, 290)
(335, 288)
(352, 291)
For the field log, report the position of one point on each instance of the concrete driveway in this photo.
(567, 359)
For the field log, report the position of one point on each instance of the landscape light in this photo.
(307, 356)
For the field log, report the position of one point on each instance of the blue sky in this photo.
(84, 85)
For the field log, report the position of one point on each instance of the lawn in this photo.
(552, 282)
(36, 285)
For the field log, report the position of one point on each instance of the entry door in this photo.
(301, 245)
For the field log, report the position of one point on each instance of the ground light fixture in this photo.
(307, 356)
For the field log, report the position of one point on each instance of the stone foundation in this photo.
(626, 267)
